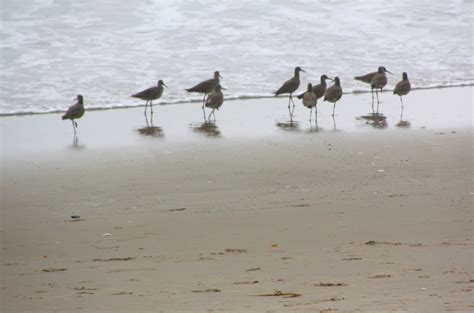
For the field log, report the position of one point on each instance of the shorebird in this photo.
(333, 93)
(206, 86)
(318, 89)
(379, 77)
(310, 100)
(75, 111)
(290, 86)
(150, 94)
(403, 87)
(215, 100)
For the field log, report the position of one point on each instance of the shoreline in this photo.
(232, 98)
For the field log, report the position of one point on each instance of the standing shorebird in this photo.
(206, 86)
(290, 86)
(333, 93)
(318, 89)
(150, 94)
(402, 88)
(310, 100)
(377, 80)
(215, 100)
(75, 111)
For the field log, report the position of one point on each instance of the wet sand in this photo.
(250, 214)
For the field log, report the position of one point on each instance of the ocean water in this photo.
(52, 50)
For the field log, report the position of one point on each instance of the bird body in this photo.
(380, 79)
(215, 100)
(334, 93)
(309, 98)
(291, 84)
(206, 86)
(152, 93)
(75, 111)
(318, 89)
(403, 87)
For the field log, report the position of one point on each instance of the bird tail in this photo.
(301, 95)
(64, 117)
(358, 77)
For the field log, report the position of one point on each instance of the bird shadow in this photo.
(207, 128)
(375, 120)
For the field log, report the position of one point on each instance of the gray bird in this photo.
(310, 100)
(150, 94)
(333, 93)
(215, 100)
(318, 89)
(403, 87)
(368, 79)
(290, 86)
(75, 111)
(206, 86)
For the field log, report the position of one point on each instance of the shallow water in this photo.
(108, 49)
(436, 112)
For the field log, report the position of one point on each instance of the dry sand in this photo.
(376, 220)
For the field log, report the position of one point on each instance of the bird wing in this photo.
(147, 93)
(366, 78)
(204, 86)
(288, 87)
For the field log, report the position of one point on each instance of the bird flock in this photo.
(213, 97)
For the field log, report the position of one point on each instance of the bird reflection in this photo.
(402, 123)
(208, 128)
(313, 128)
(75, 143)
(149, 129)
(376, 120)
(288, 125)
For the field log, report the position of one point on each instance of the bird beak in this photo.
(222, 88)
(331, 79)
(220, 76)
(303, 70)
(165, 85)
(389, 72)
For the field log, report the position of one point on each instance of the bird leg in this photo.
(372, 91)
(204, 114)
(401, 113)
(204, 101)
(73, 126)
(310, 114)
(333, 108)
(334, 122)
(291, 98)
(212, 112)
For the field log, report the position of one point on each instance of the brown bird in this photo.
(290, 86)
(150, 94)
(333, 93)
(206, 86)
(403, 87)
(75, 111)
(318, 89)
(310, 100)
(215, 100)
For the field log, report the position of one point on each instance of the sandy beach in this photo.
(251, 214)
